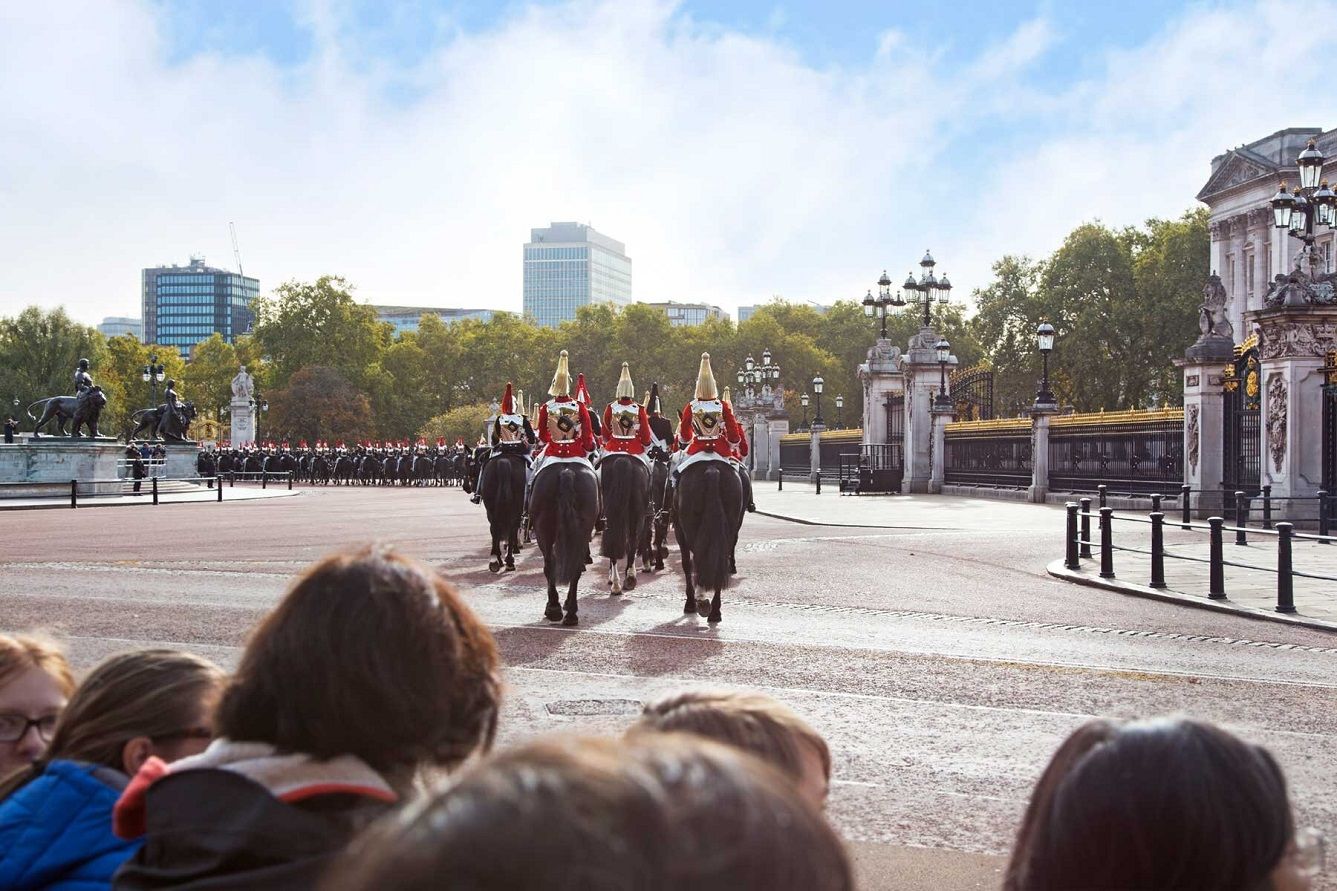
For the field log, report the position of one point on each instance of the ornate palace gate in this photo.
(882, 466)
(1241, 432)
(972, 393)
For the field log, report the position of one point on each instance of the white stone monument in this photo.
(242, 408)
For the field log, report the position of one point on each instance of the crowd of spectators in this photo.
(352, 750)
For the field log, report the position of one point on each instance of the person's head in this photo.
(370, 654)
(35, 683)
(753, 722)
(660, 811)
(83, 364)
(140, 705)
(1162, 804)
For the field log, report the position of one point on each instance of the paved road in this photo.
(942, 663)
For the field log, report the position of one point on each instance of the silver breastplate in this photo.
(564, 421)
(707, 418)
(626, 420)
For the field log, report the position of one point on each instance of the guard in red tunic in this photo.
(564, 423)
(583, 397)
(740, 449)
(626, 426)
(510, 432)
(707, 423)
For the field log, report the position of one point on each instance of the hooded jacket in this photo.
(55, 830)
(242, 815)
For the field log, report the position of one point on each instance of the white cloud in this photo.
(731, 168)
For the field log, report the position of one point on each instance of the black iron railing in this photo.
(1128, 451)
(995, 459)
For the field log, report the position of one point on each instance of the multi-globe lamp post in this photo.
(1313, 203)
(943, 402)
(153, 374)
(924, 291)
(757, 384)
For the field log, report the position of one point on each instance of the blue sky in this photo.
(741, 150)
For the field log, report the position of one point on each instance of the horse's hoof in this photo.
(494, 566)
(553, 613)
(659, 565)
(703, 608)
(614, 593)
(510, 567)
(629, 582)
(715, 617)
(689, 607)
(570, 619)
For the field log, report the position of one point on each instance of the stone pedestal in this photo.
(1292, 344)
(774, 429)
(882, 377)
(922, 376)
(815, 452)
(1040, 415)
(942, 416)
(243, 422)
(180, 462)
(46, 465)
(1204, 407)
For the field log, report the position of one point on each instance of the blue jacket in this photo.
(55, 831)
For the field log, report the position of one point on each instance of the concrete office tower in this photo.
(569, 265)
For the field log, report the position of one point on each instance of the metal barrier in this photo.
(156, 495)
(1079, 544)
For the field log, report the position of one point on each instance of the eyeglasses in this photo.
(1310, 852)
(14, 727)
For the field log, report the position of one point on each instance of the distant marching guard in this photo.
(510, 432)
(661, 428)
(626, 426)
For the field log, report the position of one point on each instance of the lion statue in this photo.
(83, 410)
(1212, 319)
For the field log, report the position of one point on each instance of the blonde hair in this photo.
(750, 721)
(22, 652)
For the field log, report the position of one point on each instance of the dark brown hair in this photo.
(662, 811)
(22, 652)
(370, 654)
(755, 723)
(1163, 804)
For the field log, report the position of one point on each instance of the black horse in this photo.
(504, 498)
(655, 525)
(707, 504)
(563, 506)
(624, 483)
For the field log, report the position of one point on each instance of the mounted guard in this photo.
(509, 433)
(654, 533)
(624, 480)
(564, 497)
(708, 494)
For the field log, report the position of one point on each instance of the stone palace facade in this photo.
(1247, 251)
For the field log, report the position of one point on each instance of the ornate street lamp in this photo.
(944, 353)
(840, 405)
(1044, 337)
(803, 400)
(1313, 203)
(926, 290)
(755, 382)
(879, 307)
(817, 386)
(153, 375)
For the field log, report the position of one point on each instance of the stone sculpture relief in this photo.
(1191, 418)
(1296, 339)
(1276, 420)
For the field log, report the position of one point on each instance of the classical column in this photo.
(920, 367)
(881, 376)
(942, 416)
(1040, 415)
(1293, 339)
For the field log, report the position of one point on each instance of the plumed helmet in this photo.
(508, 400)
(561, 381)
(582, 393)
(652, 403)
(625, 388)
(705, 380)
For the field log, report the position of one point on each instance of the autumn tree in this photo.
(319, 324)
(462, 422)
(319, 403)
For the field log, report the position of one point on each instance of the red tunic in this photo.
(580, 447)
(720, 445)
(635, 445)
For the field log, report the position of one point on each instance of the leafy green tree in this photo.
(1170, 264)
(462, 422)
(38, 353)
(319, 403)
(319, 324)
(208, 377)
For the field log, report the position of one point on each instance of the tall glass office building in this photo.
(184, 305)
(569, 265)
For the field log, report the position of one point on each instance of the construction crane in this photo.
(236, 251)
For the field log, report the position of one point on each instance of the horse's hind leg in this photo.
(554, 611)
(614, 578)
(511, 548)
(690, 605)
(572, 616)
(494, 565)
(715, 617)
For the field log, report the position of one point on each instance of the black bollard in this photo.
(1241, 514)
(1155, 504)
(219, 480)
(819, 484)
(1267, 507)
(1106, 543)
(1070, 559)
(1184, 491)
(74, 494)
(1216, 585)
(155, 490)
(1285, 581)
(780, 481)
(1158, 550)
(1086, 527)
(1323, 513)
(1103, 491)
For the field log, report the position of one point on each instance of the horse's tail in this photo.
(616, 482)
(710, 541)
(569, 549)
(32, 416)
